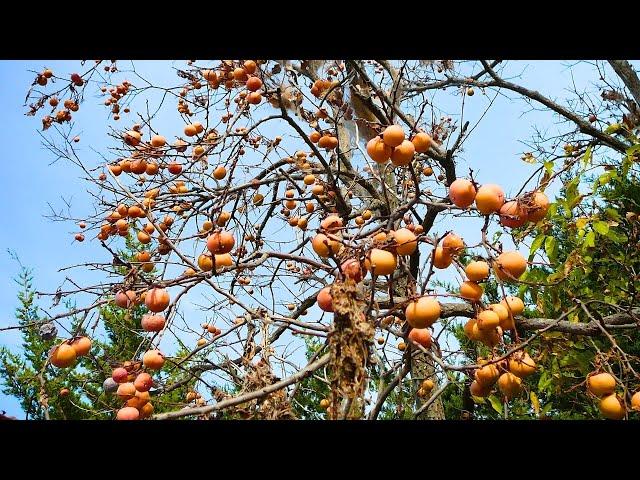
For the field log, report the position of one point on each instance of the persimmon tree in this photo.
(296, 201)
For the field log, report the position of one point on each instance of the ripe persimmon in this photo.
(611, 408)
(157, 299)
(393, 135)
(143, 382)
(220, 242)
(82, 346)
(510, 385)
(471, 291)
(128, 413)
(152, 323)
(452, 244)
(601, 384)
(477, 271)
(153, 360)
(322, 245)
(538, 208)
(489, 198)
(403, 154)
(381, 262)
(521, 364)
(509, 266)
(513, 304)
(62, 356)
(423, 312)
(421, 141)
(441, 258)
(488, 320)
(324, 299)
(462, 193)
(421, 336)
(406, 241)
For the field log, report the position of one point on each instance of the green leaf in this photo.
(613, 214)
(614, 127)
(551, 247)
(617, 237)
(548, 166)
(546, 409)
(536, 244)
(601, 227)
(633, 149)
(496, 404)
(586, 159)
(590, 240)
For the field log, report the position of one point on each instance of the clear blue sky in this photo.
(30, 183)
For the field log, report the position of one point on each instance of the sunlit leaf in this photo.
(601, 227)
(496, 404)
(534, 402)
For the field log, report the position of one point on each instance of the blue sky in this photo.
(30, 182)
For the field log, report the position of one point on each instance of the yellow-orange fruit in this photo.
(612, 408)
(423, 312)
(126, 391)
(512, 215)
(521, 364)
(601, 384)
(223, 260)
(331, 224)
(153, 360)
(452, 244)
(471, 329)
(478, 390)
(190, 130)
(462, 193)
(477, 271)
(393, 135)
(489, 199)
(539, 208)
(471, 291)
(421, 336)
(488, 320)
(506, 320)
(487, 375)
(205, 262)
(220, 172)
(490, 338)
(157, 299)
(132, 138)
(63, 356)
(314, 136)
(381, 262)
(421, 141)
(510, 385)
(635, 401)
(406, 242)
(220, 242)
(146, 411)
(403, 154)
(441, 258)
(513, 304)
(509, 266)
(158, 141)
(81, 345)
(379, 151)
(125, 299)
(323, 245)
